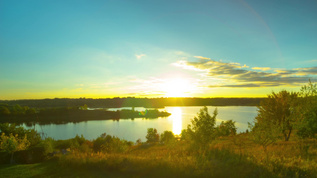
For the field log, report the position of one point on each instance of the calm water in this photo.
(134, 129)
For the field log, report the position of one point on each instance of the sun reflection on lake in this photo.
(177, 120)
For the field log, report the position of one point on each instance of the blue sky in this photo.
(136, 48)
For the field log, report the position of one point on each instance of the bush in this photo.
(167, 137)
(307, 124)
(226, 128)
(152, 135)
(202, 129)
(110, 144)
(33, 137)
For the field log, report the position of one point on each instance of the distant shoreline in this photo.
(134, 102)
(66, 116)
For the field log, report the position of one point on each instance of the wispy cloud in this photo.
(241, 76)
(261, 68)
(201, 57)
(139, 56)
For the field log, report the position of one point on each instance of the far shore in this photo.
(66, 116)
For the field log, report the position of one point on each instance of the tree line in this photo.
(134, 102)
(61, 115)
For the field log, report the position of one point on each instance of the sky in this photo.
(166, 48)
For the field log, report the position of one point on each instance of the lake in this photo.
(132, 130)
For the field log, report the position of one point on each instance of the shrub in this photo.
(202, 129)
(152, 135)
(167, 137)
(109, 144)
(33, 137)
(12, 144)
(226, 128)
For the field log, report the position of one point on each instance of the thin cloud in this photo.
(201, 57)
(139, 56)
(250, 85)
(261, 68)
(236, 73)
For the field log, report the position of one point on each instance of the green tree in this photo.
(185, 135)
(11, 144)
(202, 128)
(226, 128)
(108, 143)
(152, 135)
(30, 111)
(4, 110)
(307, 111)
(33, 137)
(19, 110)
(278, 111)
(264, 134)
(167, 137)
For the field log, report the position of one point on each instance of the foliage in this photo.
(278, 111)
(16, 109)
(168, 137)
(4, 110)
(12, 144)
(226, 128)
(138, 141)
(264, 133)
(152, 135)
(186, 135)
(110, 144)
(33, 137)
(307, 110)
(47, 145)
(202, 129)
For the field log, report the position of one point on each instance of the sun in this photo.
(177, 87)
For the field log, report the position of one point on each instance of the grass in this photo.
(226, 157)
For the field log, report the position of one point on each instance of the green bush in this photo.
(33, 137)
(226, 128)
(167, 137)
(110, 144)
(202, 130)
(152, 135)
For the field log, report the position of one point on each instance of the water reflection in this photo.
(177, 120)
(133, 130)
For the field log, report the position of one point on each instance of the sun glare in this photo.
(177, 120)
(177, 88)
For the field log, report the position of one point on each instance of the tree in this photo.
(30, 111)
(11, 144)
(19, 110)
(4, 110)
(110, 144)
(152, 135)
(307, 111)
(33, 137)
(226, 128)
(202, 128)
(265, 133)
(167, 137)
(278, 111)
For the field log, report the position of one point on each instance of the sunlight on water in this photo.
(177, 120)
(132, 130)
